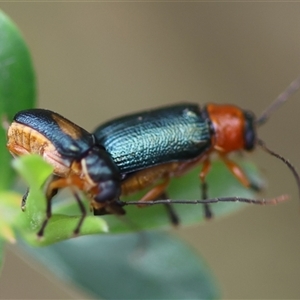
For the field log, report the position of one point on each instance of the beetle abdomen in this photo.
(25, 140)
(69, 138)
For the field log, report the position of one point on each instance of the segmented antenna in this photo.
(284, 160)
(290, 90)
(272, 201)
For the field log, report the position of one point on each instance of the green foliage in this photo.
(131, 266)
(66, 215)
(9, 212)
(17, 86)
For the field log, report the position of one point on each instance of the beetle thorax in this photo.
(229, 125)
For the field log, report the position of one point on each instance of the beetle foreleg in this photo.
(25, 196)
(239, 174)
(53, 186)
(40, 233)
(83, 212)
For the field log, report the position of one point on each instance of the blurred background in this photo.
(95, 61)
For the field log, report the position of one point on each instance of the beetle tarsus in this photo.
(40, 233)
(255, 187)
(207, 212)
(24, 199)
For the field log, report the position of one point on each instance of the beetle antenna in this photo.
(284, 160)
(289, 91)
(272, 201)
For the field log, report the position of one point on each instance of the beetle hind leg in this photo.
(255, 187)
(174, 218)
(205, 169)
(157, 193)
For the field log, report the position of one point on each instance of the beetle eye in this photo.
(249, 131)
(108, 190)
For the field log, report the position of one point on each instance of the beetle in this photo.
(150, 147)
(78, 160)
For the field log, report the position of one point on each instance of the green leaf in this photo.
(17, 86)
(132, 266)
(67, 215)
(221, 183)
(35, 171)
(9, 213)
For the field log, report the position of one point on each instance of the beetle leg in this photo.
(25, 196)
(205, 169)
(83, 212)
(48, 216)
(156, 191)
(24, 199)
(239, 174)
(170, 210)
(53, 186)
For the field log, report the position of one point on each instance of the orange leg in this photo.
(236, 171)
(205, 169)
(158, 192)
(54, 185)
(239, 174)
(155, 192)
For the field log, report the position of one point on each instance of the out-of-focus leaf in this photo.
(17, 86)
(9, 212)
(132, 266)
(221, 183)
